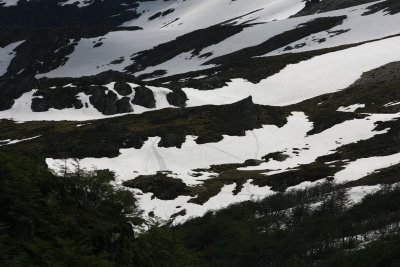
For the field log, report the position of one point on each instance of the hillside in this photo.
(195, 105)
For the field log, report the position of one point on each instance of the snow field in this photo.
(151, 158)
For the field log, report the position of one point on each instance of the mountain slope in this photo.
(194, 108)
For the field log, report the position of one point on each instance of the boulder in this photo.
(177, 98)
(123, 88)
(144, 97)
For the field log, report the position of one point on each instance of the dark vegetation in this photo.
(104, 137)
(284, 230)
(76, 219)
(161, 185)
(280, 40)
(79, 219)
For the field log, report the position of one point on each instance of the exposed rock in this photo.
(123, 105)
(247, 116)
(11, 89)
(162, 186)
(144, 97)
(171, 140)
(212, 138)
(108, 104)
(105, 103)
(123, 88)
(177, 98)
(278, 156)
(385, 73)
(60, 98)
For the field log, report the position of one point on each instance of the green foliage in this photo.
(286, 230)
(81, 219)
(49, 220)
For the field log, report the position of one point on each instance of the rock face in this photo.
(61, 98)
(12, 89)
(212, 138)
(177, 98)
(144, 97)
(171, 140)
(245, 114)
(123, 105)
(108, 103)
(123, 88)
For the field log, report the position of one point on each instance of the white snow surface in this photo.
(351, 108)
(392, 104)
(322, 74)
(293, 84)
(271, 18)
(9, 2)
(86, 60)
(365, 166)
(196, 14)
(291, 139)
(359, 192)
(164, 209)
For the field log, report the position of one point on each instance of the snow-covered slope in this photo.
(356, 28)
(229, 100)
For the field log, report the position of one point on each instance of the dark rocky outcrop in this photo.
(212, 138)
(246, 115)
(171, 140)
(14, 88)
(177, 98)
(144, 97)
(162, 186)
(108, 103)
(102, 101)
(103, 78)
(60, 98)
(278, 156)
(123, 105)
(123, 88)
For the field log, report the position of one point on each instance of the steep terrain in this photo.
(199, 104)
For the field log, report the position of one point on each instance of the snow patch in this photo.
(351, 108)
(362, 167)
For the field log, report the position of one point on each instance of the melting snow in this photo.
(232, 149)
(297, 82)
(21, 111)
(11, 142)
(351, 108)
(365, 166)
(6, 55)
